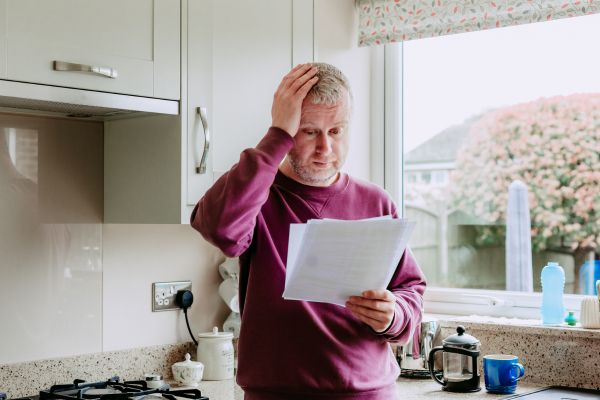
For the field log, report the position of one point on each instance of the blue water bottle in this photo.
(553, 286)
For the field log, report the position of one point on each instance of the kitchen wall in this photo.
(51, 208)
(91, 290)
(335, 43)
(137, 255)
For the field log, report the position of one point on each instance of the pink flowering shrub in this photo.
(551, 144)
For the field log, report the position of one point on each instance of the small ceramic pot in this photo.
(188, 372)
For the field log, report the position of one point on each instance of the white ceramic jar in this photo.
(590, 312)
(215, 351)
(188, 372)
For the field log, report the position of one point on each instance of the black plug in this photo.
(184, 299)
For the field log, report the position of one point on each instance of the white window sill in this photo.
(497, 303)
(504, 325)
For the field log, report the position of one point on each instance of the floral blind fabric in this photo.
(387, 21)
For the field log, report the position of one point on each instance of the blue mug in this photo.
(501, 373)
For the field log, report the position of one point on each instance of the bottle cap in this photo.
(570, 319)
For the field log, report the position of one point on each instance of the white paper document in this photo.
(330, 260)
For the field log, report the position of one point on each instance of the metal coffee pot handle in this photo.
(431, 361)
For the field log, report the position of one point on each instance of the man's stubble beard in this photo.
(306, 175)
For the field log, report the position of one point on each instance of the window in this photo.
(411, 177)
(484, 109)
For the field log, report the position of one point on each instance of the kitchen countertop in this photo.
(408, 389)
(413, 389)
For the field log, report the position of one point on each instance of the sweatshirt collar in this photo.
(312, 191)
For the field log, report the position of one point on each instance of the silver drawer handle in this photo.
(67, 66)
(201, 166)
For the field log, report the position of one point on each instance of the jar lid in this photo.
(215, 334)
(188, 363)
(460, 338)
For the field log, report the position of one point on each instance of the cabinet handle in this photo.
(67, 66)
(201, 166)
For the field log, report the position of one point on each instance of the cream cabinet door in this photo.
(234, 54)
(139, 39)
(237, 53)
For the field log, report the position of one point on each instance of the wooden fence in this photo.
(443, 243)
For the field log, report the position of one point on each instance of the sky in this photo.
(447, 79)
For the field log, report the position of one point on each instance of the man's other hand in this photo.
(375, 308)
(287, 101)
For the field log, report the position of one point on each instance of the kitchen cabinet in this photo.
(234, 54)
(237, 52)
(137, 42)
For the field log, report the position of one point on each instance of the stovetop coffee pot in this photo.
(460, 353)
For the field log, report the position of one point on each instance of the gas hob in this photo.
(113, 389)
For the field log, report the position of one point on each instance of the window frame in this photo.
(387, 149)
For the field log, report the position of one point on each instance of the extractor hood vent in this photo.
(78, 103)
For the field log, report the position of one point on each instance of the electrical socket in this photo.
(163, 294)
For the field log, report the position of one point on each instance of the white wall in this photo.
(336, 39)
(135, 256)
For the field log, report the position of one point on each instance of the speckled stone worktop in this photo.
(551, 356)
(408, 389)
(27, 378)
(559, 356)
(94, 367)
(412, 389)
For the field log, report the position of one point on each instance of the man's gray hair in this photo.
(328, 89)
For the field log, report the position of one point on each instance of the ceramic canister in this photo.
(590, 312)
(215, 351)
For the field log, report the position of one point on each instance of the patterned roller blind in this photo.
(388, 21)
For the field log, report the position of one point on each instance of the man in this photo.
(292, 349)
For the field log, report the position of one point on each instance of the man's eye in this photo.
(310, 132)
(334, 131)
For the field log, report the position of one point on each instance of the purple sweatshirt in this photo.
(291, 349)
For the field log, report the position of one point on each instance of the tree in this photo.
(551, 144)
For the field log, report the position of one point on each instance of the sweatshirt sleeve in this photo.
(408, 285)
(226, 214)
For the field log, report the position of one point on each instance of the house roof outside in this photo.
(443, 147)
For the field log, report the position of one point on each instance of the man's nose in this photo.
(323, 144)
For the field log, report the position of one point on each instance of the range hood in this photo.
(22, 97)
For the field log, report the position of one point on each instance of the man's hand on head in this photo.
(375, 308)
(287, 101)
